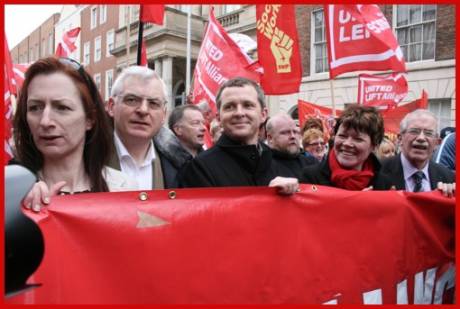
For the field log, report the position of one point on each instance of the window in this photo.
(108, 83)
(319, 49)
(93, 17)
(134, 12)
(43, 48)
(102, 14)
(230, 8)
(415, 30)
(110, 39)
(442, 109)
(97, 81)
(87, 53)
(97, 49)
(50, 44)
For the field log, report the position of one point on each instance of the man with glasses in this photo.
(188, 123)
(145, 150)
(283, 137)
(413, 170)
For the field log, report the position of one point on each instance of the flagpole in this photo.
(139, 38)
(189, 51)
(332, 97)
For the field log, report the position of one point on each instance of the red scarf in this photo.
(350, 179)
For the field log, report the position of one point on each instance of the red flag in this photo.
(8, 90)
(360, 38)
(19, 71)
(152, 13)
(67, 44)
(386, 90)
(392, 117)
(278, 48)
(144, 61)
(219, 60)
(309, 110)
(240, 245)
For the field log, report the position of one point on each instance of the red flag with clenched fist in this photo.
(278, 48)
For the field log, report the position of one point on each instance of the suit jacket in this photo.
(171, 157)
(393, 167)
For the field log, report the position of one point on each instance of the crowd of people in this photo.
(75, 143)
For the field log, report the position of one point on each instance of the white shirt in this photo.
(409, 170)
(142, 174)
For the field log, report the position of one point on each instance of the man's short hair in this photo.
(178, 113)
(241, 82)
(136, 71)
(270, 124)
(413, 115)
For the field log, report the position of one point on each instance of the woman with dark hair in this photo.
(62, 133)
(351, 163)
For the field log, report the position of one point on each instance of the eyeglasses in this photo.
(316, 144)
(133, 100)
(417, 131)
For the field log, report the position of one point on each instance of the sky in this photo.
(16, 27)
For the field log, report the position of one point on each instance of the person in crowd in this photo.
(238, 158)
(413, 170)
(445, 154)
(138, 107)
(283, 139)
(216, 130)
(314, 144)
(62, 133)
(209, 115)
(312, 123)
(386, 149)
(188, 124)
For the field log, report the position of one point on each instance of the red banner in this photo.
(219, 60)
(393, 117)
(386, 90)
(152, 13)
(309, 110)
(242, 245)
(67, 44)
(19, 71)
(278, 48)
(360, 38)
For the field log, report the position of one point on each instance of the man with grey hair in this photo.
(238, 158)
(187, 122)
(145, 150)
(283, 137)
(413, 170)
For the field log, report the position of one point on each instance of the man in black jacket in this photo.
(413, 170)
(283, 137)
(238, 158)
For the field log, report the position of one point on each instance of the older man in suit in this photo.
(413, 170)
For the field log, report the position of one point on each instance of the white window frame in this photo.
(409, 26)
(109, 38)
(93, 16)
(97, 49)
(437, 106)
(312, 44)
(102, 13)
(97, 81)
(87, 53)
(108, 83)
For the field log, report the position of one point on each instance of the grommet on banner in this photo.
(172, 195)
(143, 196)
(314, 188)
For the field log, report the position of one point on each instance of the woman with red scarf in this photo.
(351, 164)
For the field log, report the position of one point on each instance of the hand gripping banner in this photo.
(360, 38)
(278, 48)
(246, 245)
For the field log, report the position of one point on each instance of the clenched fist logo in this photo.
(281, 46)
